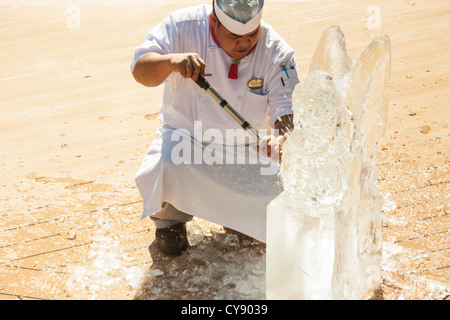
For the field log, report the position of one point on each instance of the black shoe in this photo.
(172, 240)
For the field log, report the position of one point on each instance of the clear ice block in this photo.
(324, 232)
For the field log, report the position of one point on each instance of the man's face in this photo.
(235, 45)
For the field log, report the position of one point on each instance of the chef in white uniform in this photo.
(202, 163)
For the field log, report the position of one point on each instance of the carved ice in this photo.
(324, 232)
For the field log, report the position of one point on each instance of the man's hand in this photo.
(272, 147)
(188, 65)
(153, 68)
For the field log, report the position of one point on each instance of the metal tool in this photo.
(204, 84)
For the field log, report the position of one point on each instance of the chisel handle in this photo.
(202, 83)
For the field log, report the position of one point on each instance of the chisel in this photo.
(204, 84)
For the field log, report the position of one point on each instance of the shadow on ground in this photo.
(220, 265)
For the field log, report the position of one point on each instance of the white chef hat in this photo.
(239, 16)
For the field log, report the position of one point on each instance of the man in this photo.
(255, 71)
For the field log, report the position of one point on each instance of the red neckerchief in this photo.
(233, 73)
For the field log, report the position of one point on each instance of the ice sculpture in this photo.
(324, 232)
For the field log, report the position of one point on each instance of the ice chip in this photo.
(195, 234)
(324, 231)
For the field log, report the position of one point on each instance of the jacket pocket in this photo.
(255, 106)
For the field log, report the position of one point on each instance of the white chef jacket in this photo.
(202, 190)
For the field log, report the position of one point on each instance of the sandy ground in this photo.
(74, 126)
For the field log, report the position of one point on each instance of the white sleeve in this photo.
(158, 40)
(282, 82)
